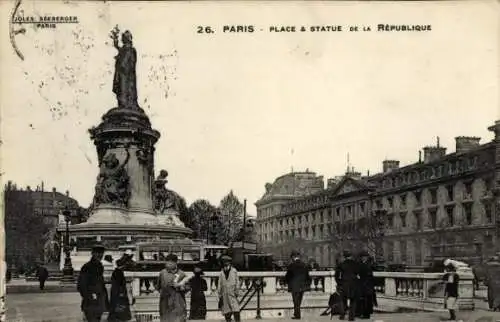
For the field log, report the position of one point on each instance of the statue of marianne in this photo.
(125, 80)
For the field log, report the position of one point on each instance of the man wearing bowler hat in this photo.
(91, 286)
(299, 281)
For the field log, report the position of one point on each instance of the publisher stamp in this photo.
(19, 20)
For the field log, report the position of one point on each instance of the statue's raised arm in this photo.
(114, 35)
(125, 80)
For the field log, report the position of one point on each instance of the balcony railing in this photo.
(421, 291)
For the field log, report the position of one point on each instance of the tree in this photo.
(25, 230)
(365, 233)
(184, 213)
(231, 210)
(199, 213)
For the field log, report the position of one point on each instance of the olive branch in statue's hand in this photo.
(114, 35)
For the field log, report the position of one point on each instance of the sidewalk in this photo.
(16, 286)
(59, 307)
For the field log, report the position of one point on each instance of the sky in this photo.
(238, 110)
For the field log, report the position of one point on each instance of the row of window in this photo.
(413, 220)
(411, 252)
(431, 172)
(433, 192)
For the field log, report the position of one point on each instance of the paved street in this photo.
(55, 307)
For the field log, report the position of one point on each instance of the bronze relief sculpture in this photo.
(113, 181)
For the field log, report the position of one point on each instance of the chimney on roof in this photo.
(433, 153)
(496, 130)
(67, 193)
(28, 188)
(389, 165)
(419, 156)
(466, 143)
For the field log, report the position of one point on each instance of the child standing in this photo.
(451, 279)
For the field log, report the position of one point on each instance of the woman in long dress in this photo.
(119, 301)
(198, 286)
(172, 285)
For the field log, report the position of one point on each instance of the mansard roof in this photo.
(293, 185)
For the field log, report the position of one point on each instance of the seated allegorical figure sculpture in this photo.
(113, 181)
(166, 202)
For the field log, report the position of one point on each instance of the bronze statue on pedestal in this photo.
(125, 79)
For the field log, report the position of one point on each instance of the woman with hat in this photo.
(198, 286)
(172, 285)
(119, 304)
(228, 290)
(451, 279)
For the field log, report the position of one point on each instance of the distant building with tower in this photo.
(444, 205)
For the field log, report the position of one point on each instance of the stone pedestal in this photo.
(123, 210)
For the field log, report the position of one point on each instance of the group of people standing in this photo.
(355, 286)
(92, 289)
(173, 284)
(355, 294)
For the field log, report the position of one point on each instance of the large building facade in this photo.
(443, 205)
(31, 220)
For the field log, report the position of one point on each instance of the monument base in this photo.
(114, 227)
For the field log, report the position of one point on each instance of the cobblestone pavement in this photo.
(58, 307)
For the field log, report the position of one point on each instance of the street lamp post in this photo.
(68, 276)
(211, 227)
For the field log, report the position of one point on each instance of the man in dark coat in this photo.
(299, 281)
(367, 286)
(92, 288)
(347, 277)
(43, 274)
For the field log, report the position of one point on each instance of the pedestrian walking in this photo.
(367, 286)
(43, 274)
(492, 281)
(347, 277)
(91, 286)
(451, 279)
(298, 280)
(172, 285)
(119, 301)
(228, 290)
(198, 286)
